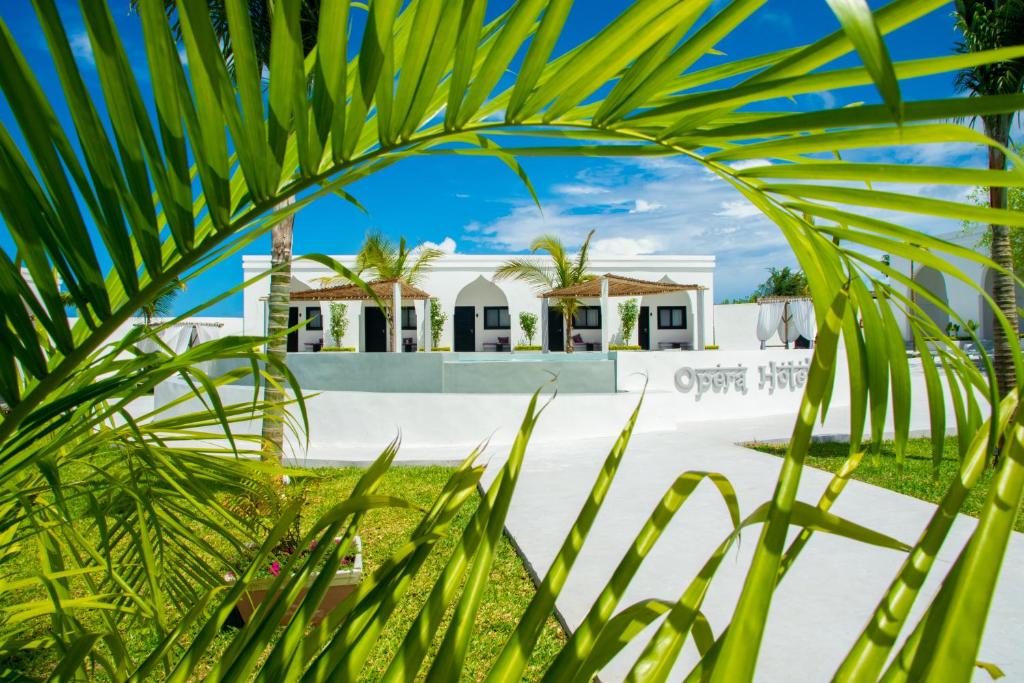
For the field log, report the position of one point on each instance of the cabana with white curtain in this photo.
(181, 336)
(789, 317)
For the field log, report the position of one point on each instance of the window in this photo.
(671, 317)
(313, 316)
(408, 317)
(587, 318)
(496, 318)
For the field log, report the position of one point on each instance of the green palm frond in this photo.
(188, 166)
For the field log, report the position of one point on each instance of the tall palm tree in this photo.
(564, 271)
(382, 259)
(987, 25)
(281, 237)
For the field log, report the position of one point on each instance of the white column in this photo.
(426, 340)
(544, 313)
(606, 316)
(396, 316)
(699, 319)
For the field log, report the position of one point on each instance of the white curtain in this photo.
(769, 317)
(181, 335)
(803, 320)
(787, 329)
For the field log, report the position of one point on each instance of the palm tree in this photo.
(782, 282)
(987, 25)
(564, 271)
(382, 259)
(281, 237)
(162, 305)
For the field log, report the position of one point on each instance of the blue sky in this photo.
(476, 205)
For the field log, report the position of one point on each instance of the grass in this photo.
(507, 595)
(917, 479)
(383, 531)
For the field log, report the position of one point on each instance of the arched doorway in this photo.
(933, 282)
(988, 317)
(480, 321)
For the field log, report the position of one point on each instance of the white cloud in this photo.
(738, 208)
(749, 163)
(82, 48)
(643, 206)
(462, 195)
(624, 246)
(578, 190)
(447, 245)
(183, 56)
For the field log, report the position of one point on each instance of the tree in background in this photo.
(528, 323)
(564, 271)
(1014, 202)
(385, 260)
(339, 321)
(629, 310)
(782, 282)
(437, 320)
(163, 304)
(988, 25)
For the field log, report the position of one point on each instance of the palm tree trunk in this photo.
(1004, 287)
(277, 309)
(568, 333)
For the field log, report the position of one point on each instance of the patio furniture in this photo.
(502, 344)
(408, 344)
(681, 345)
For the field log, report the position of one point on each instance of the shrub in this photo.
(629, 310)
(625, 347)
(339, 321)
(711, 347)
(441, 348)
(527, 347)
(338, 348)
(528, 321)
(437, 320)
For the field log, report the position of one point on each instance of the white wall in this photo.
(453, 272)
(736, 327)
(964, 299)
(346, 418)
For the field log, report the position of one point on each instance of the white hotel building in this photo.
(483, 314)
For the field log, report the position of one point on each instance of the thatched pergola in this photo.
(617, 285)
(612, 285)
(389, 291)
(384, 289)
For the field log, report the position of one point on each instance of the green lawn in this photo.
(382, 532)
(917, 478)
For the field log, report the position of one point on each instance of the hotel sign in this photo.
(773, 376)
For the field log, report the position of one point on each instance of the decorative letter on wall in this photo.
(716, 379)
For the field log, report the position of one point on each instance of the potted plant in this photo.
(291, 551)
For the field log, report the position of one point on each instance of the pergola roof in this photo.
(384, 289)
(781, 299)
(618, 285)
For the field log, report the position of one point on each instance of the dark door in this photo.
(293, 336)
(464, 326)
(375, 330)
(644, 328)
(556, 330)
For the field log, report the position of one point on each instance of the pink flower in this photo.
(275, 568)
(312, 544)
(229, 577)
(337, 539)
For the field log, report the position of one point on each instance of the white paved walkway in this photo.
(824, 601)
